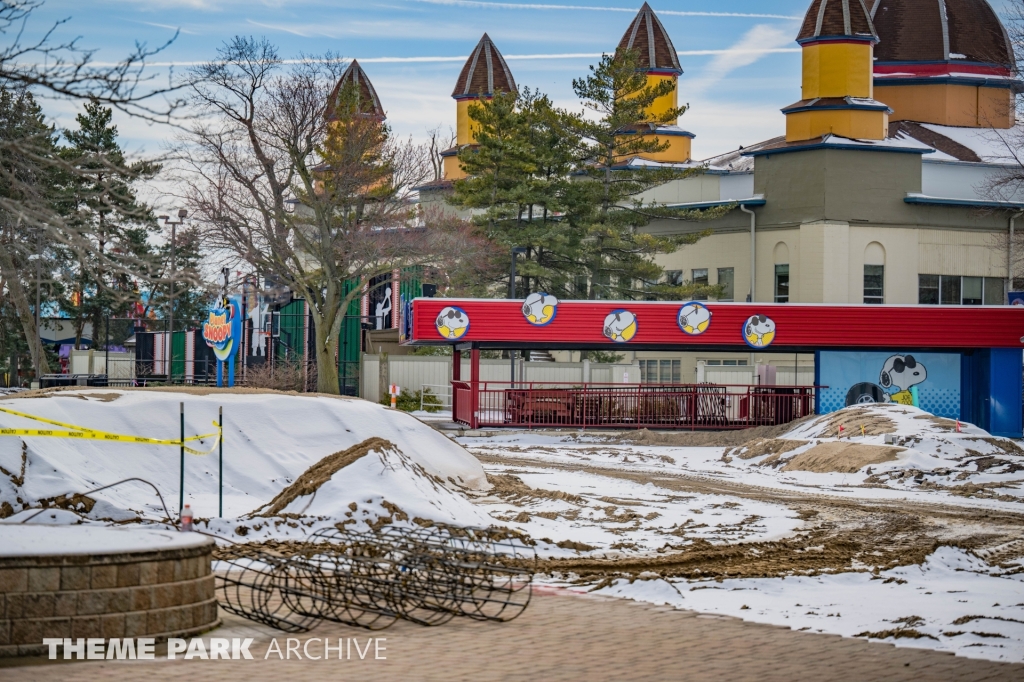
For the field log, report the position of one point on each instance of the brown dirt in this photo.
(512, 488)
(108, 397)
(947, 425)
(840, 534)
(315, 476)
(852, 420)
(841, 456)
(695, 439)
(767, 446)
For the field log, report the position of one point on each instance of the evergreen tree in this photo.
(101, 203)
(618, 255)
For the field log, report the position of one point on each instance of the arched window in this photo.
(874, 273)
(781, 273)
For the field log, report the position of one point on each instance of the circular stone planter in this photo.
(93, 581)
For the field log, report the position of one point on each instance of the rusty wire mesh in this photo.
(371, 579)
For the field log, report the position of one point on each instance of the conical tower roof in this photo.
(936, 30)
(367, 99)
(835, 19)
(649, 38)
(485, 73)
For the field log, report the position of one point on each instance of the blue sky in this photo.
(741, 63)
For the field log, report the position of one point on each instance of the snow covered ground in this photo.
(610, 512)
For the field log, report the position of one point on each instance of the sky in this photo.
(740, 60)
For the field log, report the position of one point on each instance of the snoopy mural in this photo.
(900, 373)
(759, 331)
(694, 318)
(452, 323)
(540, 308)
(620, 326)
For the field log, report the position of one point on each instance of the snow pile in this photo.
(270, 439)
(952, 602)
(896, 446)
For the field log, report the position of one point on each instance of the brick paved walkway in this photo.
(560, 637)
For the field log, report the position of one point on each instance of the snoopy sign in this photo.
(452, 323)
(540, 308)
(694, 318)
(759, 331)
(899, 375)
(620, 326)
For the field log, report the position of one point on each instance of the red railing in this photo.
(674, 406)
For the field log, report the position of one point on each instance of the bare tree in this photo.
(299, 185)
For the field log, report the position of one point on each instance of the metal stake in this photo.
(181, 490)
(220, 447)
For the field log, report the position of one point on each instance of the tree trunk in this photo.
(326, 347)
(25, 316)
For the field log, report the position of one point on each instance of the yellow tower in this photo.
(659, 61)
(838, 42)
(484, 75)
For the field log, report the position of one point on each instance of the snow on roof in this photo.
(44, 540)
(989, 144)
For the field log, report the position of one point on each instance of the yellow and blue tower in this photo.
(484, 75)
(837, 39)
(658, 59)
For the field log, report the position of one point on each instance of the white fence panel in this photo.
(368, 375)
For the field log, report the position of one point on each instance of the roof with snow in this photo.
(940, 31)
(649, 38)
(972, 145)
(837, 18)
(485, 73)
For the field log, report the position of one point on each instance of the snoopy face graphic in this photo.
(694, 318)
(900, 372)
(620, 326)
(452, 323)
(759, 331)
(539, 309)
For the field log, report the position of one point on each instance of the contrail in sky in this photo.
(591, 8)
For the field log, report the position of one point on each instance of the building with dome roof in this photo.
(366, 96)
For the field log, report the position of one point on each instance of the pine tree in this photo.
(618, 255)
(101, 202)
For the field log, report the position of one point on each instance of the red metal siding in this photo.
(796, 325)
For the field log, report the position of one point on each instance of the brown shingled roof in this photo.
(649, 38)
(932, 30)
(485, 72)
(368, 101)
(934, 140)
(827, 18)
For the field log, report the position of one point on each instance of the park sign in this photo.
(222, 332)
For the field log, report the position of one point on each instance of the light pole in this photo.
(512, 295)
(182, 214)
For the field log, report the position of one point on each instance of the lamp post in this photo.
(512, 295)
(182, 214)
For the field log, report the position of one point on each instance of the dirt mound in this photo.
(852, 420)
(841, 457)
(512, 488)
(766, 446)
(711, 439)
(321, 472)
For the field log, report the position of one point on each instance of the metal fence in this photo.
(673, 406)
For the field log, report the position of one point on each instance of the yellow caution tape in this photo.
(83, 433)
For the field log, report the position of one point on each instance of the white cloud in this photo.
(755, 44)
(589, 8)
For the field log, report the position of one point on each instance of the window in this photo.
(874, 284)
(970, 290)
(994, 291)
(782, 283)
(725, 363)
(957, 290)
(700, 278)
(928, 289)
(660, 371)
(726, 280)
(674, 277)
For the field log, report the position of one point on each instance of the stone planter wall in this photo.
(160, 594)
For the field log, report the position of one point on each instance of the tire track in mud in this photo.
(840, 533)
